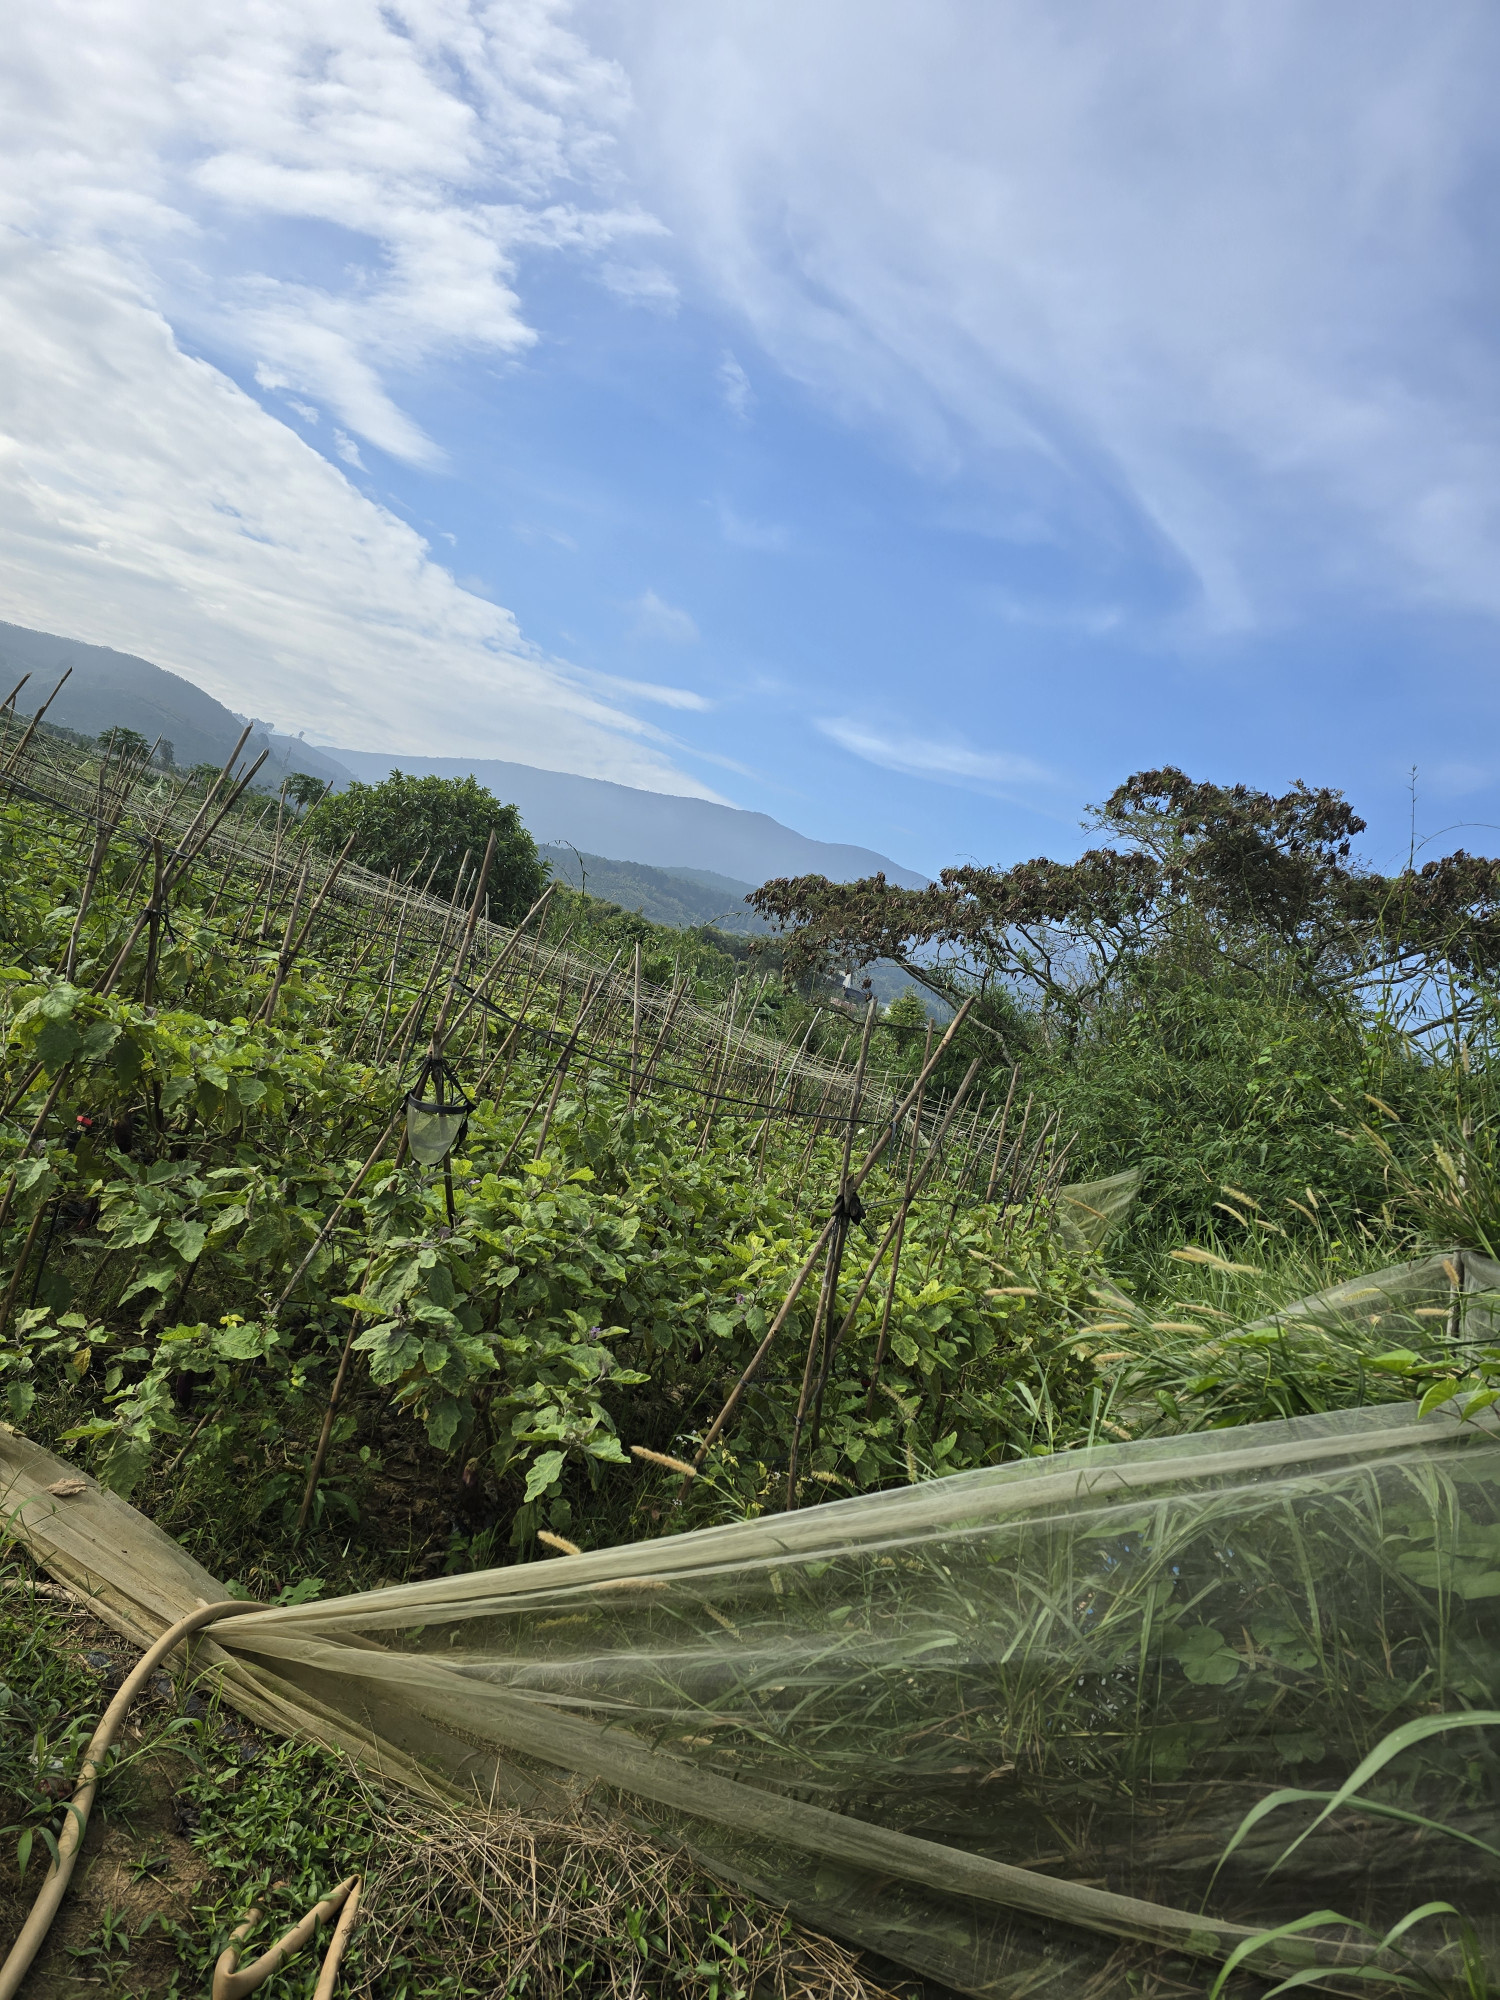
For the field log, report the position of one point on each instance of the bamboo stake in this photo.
(828, 1294)
(720, 1069)
(284, 956)
(791, 1090)
(507, 953)
(567, 1057)
(153, 919)
(1015, 1150)
(325, 1436)
(989, 1192)
(102, 832)
(901, 1214)
(439, 1027)
(275, 859)
(14, 760)
(752, 1367)
(183, 855)
(390, 985)
(635, 1023)
(506, 1051)
(15, 1277)
(8, 710)
(291, 947)
(678, 994)
(414, 1016)
(344, 1200)
(898, 1225)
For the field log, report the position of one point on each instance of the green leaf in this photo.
(160, 1278)
(1400, 1361)
(98, 1039)
(32, 1173)
(1300, 1746)
(1284, 1643)
(304, 1592)
(608, 1447)
(243, 1343)
(545, 1471)
(19, 1398)
(264, 1235)
(186, 1238)
(443, 1416)
(1262, 1939)
(1404, 1738)
(124, 1463)
(1440, 1392)
(126, 1059)
(1205, 1657)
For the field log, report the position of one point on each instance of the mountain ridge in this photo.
(663, 829)
(728, 847)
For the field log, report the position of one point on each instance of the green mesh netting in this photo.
(999, 1726)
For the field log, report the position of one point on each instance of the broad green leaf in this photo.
(57, 1044)
(1439, 1392)
(186, 1238)
(544, 1473)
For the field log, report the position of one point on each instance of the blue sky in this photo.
(905, 421)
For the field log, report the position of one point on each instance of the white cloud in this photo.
(393, 165)
(656, 619)
(335, 192)
(641, 285)
(919, 757)
(734, 386)
(742, 532)
(655, 692)
(1210, 287)
(148, 503)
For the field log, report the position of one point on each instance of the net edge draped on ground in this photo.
(379, 1676)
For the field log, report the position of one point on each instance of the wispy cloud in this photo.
(1204, 286)
(158, 508)
(392, 169)
(332, 193)
(643, 284)
(741, 531)
(616, 688)
(734, 386)
(656, 619)
(920, 757)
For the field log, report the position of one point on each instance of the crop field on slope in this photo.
(232, 1293)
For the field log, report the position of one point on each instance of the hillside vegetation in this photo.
(231, 1292)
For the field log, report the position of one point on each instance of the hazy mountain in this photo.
(107, 688)
(655, 828)
(677, 896)
(713, 849)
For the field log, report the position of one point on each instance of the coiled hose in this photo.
(229, 1984)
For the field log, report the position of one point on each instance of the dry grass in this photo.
(581, 1904)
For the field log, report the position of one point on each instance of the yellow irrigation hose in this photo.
(75, 1825)
(232, 1984)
